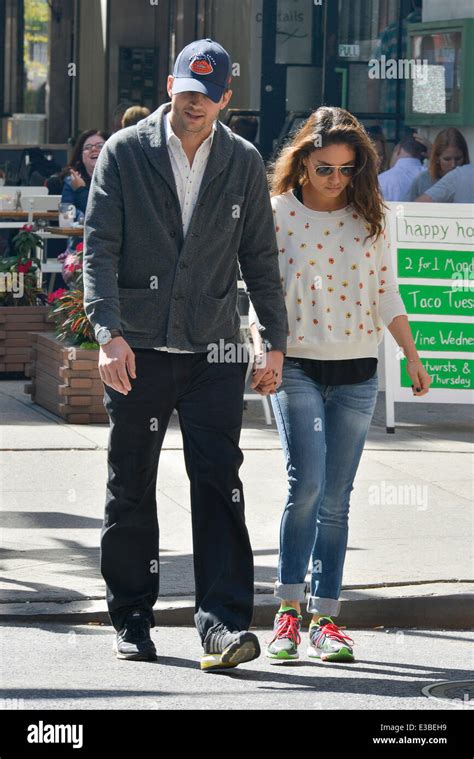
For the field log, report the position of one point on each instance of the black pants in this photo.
(209, 400)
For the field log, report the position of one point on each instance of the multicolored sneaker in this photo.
(284, 645)
(328, 643)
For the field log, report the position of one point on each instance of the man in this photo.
(456, 186)
(177, 202)
(395, 183)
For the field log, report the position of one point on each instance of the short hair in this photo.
(414, 148)
(134, 114)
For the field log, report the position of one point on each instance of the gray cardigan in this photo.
(140, 275)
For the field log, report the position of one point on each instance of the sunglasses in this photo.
(326, 171)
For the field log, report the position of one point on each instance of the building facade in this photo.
(290, 56)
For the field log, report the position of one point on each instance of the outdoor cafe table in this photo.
(65, 231)
(18, 218)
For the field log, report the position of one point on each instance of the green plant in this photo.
(72, 324)
(20, 274)
(26, 241)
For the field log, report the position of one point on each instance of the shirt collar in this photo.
(409, 161)
(170, 135)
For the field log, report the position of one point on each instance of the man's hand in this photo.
(115, 359)
(267, 372)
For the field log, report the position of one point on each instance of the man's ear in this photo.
(226, 99)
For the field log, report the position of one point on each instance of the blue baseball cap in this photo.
(203, 66)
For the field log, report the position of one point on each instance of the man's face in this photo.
(194, 112)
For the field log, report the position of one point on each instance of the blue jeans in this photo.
(323, 429)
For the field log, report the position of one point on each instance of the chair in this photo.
(24, 190)
(35, 203)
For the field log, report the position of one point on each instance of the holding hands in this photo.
(267, 372)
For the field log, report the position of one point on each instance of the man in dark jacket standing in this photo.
(177, 202)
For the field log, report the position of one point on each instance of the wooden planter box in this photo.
(66, 380)
(17, 323)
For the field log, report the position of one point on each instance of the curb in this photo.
(453, 611)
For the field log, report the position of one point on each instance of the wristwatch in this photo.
(105, 335)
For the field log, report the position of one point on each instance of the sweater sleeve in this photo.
(103, 243)
(258, 257)
(390, 300)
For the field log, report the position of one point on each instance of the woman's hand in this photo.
(267, 372)
(76, 180)
(420, 378)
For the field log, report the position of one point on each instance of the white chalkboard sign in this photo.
(433, 259)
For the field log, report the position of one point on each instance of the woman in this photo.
(339, 287)
(449, 151)
(78, 174)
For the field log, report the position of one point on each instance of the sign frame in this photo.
(429, 221)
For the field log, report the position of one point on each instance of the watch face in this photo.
(104, 336)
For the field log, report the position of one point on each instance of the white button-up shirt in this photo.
(188, 180)
(395, 183)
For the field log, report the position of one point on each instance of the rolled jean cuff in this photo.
(296, 592)
(329, 606)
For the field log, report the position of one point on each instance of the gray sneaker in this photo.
(327, 642)
(133, 640)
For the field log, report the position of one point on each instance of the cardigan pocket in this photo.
(139, 310)
(216, 318)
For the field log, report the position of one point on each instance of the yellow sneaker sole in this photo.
(232, 656)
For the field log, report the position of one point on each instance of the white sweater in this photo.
(339, 291)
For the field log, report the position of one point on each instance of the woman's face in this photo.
(449, 159)
(90, 152)
(330, 185)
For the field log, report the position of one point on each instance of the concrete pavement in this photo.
(74, 668)
(409, 560)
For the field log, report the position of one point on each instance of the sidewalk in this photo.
(410, 545)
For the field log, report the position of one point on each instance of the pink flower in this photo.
(80, 247)
(27, 227)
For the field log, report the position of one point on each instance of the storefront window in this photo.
(294, 43)
(36, 55)
(373, 48)
(362, 24)
(438, 87)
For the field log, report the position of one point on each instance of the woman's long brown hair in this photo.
(447, 138)
(334, 126)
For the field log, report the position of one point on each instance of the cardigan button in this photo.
(172, 233)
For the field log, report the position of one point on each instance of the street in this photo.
(60, 666)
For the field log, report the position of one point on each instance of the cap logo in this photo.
(201, 64)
